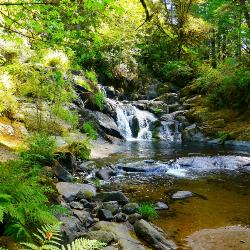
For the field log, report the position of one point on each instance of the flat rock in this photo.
(69, 191)
(181, 195)
(234, 237)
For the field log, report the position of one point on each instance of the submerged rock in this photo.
(161, 206)
(153, 236)
(181, 195)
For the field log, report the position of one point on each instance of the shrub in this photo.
(40, 149)
(23, 203)
(177, 72)
(91, 75)
(226, 86)
(89, 129)
(80, 149)
(147, 210)
(98, 99)
(223, 136)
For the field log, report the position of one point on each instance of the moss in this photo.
(211, 121)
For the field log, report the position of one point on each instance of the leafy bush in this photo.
(98, 99)
(80, 149)
(89, 129)
(177, 72)
(147, 210)
(223, 136)
(40, 149)
(91, 75)
(23, 203)
(226, 86)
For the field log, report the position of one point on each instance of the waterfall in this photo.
(134, 123)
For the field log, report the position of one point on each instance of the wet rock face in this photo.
(153, 236)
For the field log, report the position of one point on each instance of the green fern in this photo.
(84, 244)
(48, 238)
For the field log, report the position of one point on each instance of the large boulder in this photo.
(112, 196)
(69, 191)
(122, 235)
(153, 236)
(107, 124)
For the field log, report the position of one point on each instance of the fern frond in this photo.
(84, 244)
(2, 211)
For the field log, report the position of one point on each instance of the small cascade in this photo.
(134, 123)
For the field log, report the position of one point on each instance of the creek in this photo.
(218, 176)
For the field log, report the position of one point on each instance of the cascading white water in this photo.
(134, 123)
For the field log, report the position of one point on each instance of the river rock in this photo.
(69, 191)
(122, 235)
(112, 196)
(101, 235)
(76, 205)
(153, 236)
(130, 208)
(68, 161)
(112, 206)
(86, 166)
(105, 173)
(134, 217)
(104, 214)
(83, 216)
(181, 195)
(87, 204)
(121, 217)
(71, 228)
(61, 173)
(161, 206)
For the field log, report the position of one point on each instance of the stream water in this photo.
(219, 176)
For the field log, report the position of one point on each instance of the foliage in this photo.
(177, 72)
(84, 244)
(223, 136)
(227, 86)
(147, 210)
(89, 129)
(24, 205)
(98, 99)
(80, 149)
(49, 237)
(40, 149)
